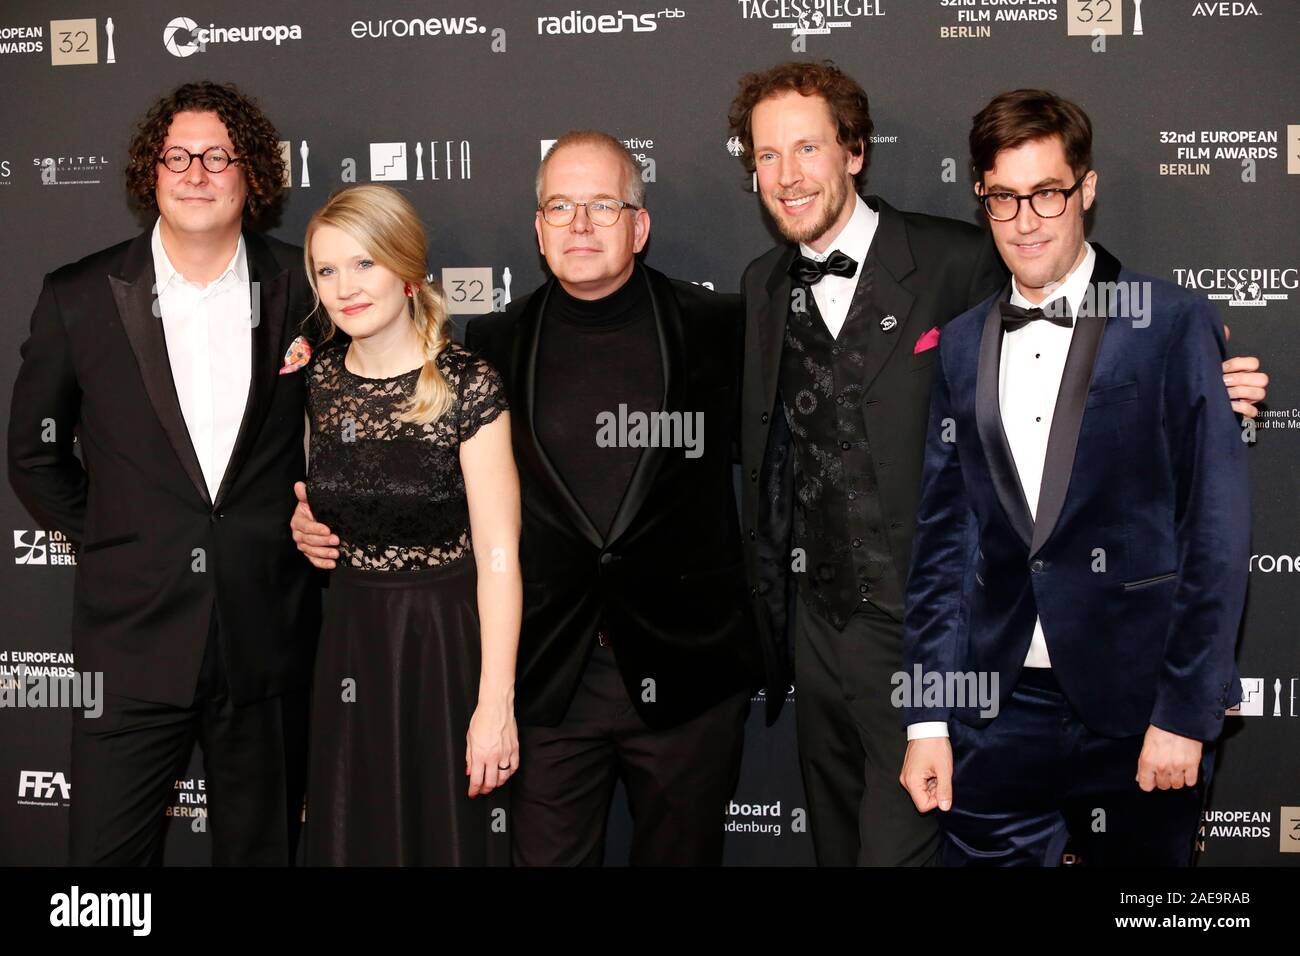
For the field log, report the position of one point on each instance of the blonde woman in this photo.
(411, 466)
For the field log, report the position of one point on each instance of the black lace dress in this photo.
(397, 669)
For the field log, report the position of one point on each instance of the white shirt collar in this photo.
(1074, 288)
(854, 239)
(165, 272)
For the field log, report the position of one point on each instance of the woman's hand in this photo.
(491, 747)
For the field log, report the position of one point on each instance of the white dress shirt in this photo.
(833, 294)
(209, 337)
(1029, 376)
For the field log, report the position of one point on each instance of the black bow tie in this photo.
(1014, 317)
(810, 271)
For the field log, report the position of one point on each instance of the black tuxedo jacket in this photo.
(668, 584)
(929, 270)
(156, 554)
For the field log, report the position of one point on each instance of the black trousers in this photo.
(678, 780)
(852, 743)
(1036, 777)
(126, 761)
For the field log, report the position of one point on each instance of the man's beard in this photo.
(808, 232)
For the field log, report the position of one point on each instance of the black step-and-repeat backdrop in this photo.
(1197, 118)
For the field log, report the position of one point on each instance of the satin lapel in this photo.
(136, 298)
(672, 357)
(988, 417)
(527, 346)
(269, 288)
(891, 261)
(1072, 398)
(771, 317)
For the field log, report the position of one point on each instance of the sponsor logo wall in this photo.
(453, 103)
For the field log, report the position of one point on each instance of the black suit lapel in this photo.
(672, 357)
(988, 417)
(771, 317)
(269, 288)
(136, 298)
(888, 262)
(529, 448)
(1072, 398)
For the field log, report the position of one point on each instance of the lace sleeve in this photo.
(482, 397)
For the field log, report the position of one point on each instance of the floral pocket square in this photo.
(297, 357)
(927, 341)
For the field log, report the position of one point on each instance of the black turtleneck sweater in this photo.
(593, 357)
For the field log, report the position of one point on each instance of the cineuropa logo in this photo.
(183, 37)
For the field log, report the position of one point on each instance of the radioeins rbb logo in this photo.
(580, 22)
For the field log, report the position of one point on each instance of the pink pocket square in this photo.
(927, 341)
(298, 355)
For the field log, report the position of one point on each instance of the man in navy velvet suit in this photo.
(1082, 539)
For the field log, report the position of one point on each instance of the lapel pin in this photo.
(888, 323)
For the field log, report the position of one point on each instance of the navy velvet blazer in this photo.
(1138, 560)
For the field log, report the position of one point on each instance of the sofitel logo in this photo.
(80, 170)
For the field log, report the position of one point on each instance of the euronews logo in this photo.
(183, 37)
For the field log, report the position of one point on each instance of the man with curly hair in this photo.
(843, 322)
(161, 358)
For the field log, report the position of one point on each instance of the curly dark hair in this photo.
(847, 101)
(256, 142)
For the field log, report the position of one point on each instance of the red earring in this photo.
(408, 290)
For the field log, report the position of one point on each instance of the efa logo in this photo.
(41, 784)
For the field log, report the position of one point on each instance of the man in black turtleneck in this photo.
(638, 649)
(594, 355)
